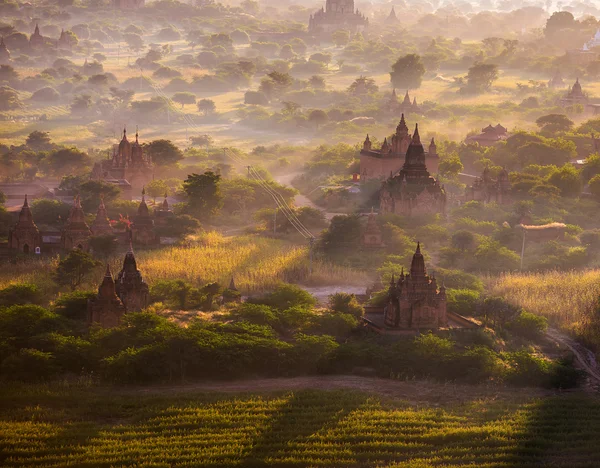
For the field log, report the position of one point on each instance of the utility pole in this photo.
(275, 221)
(311, 242)
(248, 170)
(523, 248)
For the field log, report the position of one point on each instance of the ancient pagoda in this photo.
(106, 309)
(413, 190)
(76, 233)
(130, 286)
(414, 301)
(25, 236)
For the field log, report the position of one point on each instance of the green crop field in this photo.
(65, 427)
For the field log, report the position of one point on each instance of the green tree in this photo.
(9, 99)
(450, 166)
(481, 76)
(553, 123)
(407, 72)
(204, 194)
(163, 152)
(463, 240)
(67, 161)
(73, 268)
(342, 236)
(559, 21)
(92, 191)
(318, 117)
(567, 179)
(157, 188)
(50, 212)
(340, 38)
(207, 106)
(103, 246)
(184, 98)
(39, 141)
(594, 186)
(8, 74)
(345, 303)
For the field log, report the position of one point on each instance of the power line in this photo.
(277, 197)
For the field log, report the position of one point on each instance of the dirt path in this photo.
(584, 357)
(301, 200)
(419, 391)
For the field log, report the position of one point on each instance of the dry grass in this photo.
(256, 263)
(568, 299)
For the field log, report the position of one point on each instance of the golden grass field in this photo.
(256, 263)
(567, 299)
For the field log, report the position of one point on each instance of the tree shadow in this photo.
(293, 425)
(560, 432)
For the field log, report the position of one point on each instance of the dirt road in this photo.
(420, 391)
(584, 357)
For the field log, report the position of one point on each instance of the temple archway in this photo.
(26, 249)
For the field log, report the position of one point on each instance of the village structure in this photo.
(413, 190)
(407, 106)
(488, 189)
(390, 158)
(25, 237)
(489, 136)
(337, 14)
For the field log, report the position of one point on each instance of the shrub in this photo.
(462, 301)
(74, 305)
(528, 325)
(19, 294)
(286, 296)
(345, 303)
(29, 365)
(526, 369)
(258, 314)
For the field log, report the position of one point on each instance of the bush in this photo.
(528, 325)
(258, 314)
(527, 369)
(346, 304)
(19, 294)
(462, 301)
(286, 296)
(29, 365)
(73, 305)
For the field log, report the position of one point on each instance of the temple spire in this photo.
(416, 139)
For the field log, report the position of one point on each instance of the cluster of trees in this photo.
(277, 334)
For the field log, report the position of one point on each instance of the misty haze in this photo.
(300, 233)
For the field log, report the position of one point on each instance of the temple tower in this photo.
(130, 286)
(142, 229)
(25, 236)
(106, 309)
(76, 233)
(101, 225)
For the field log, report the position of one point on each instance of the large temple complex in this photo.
(412, 190)
(337, 14)
(390, 158)
(127, 165)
